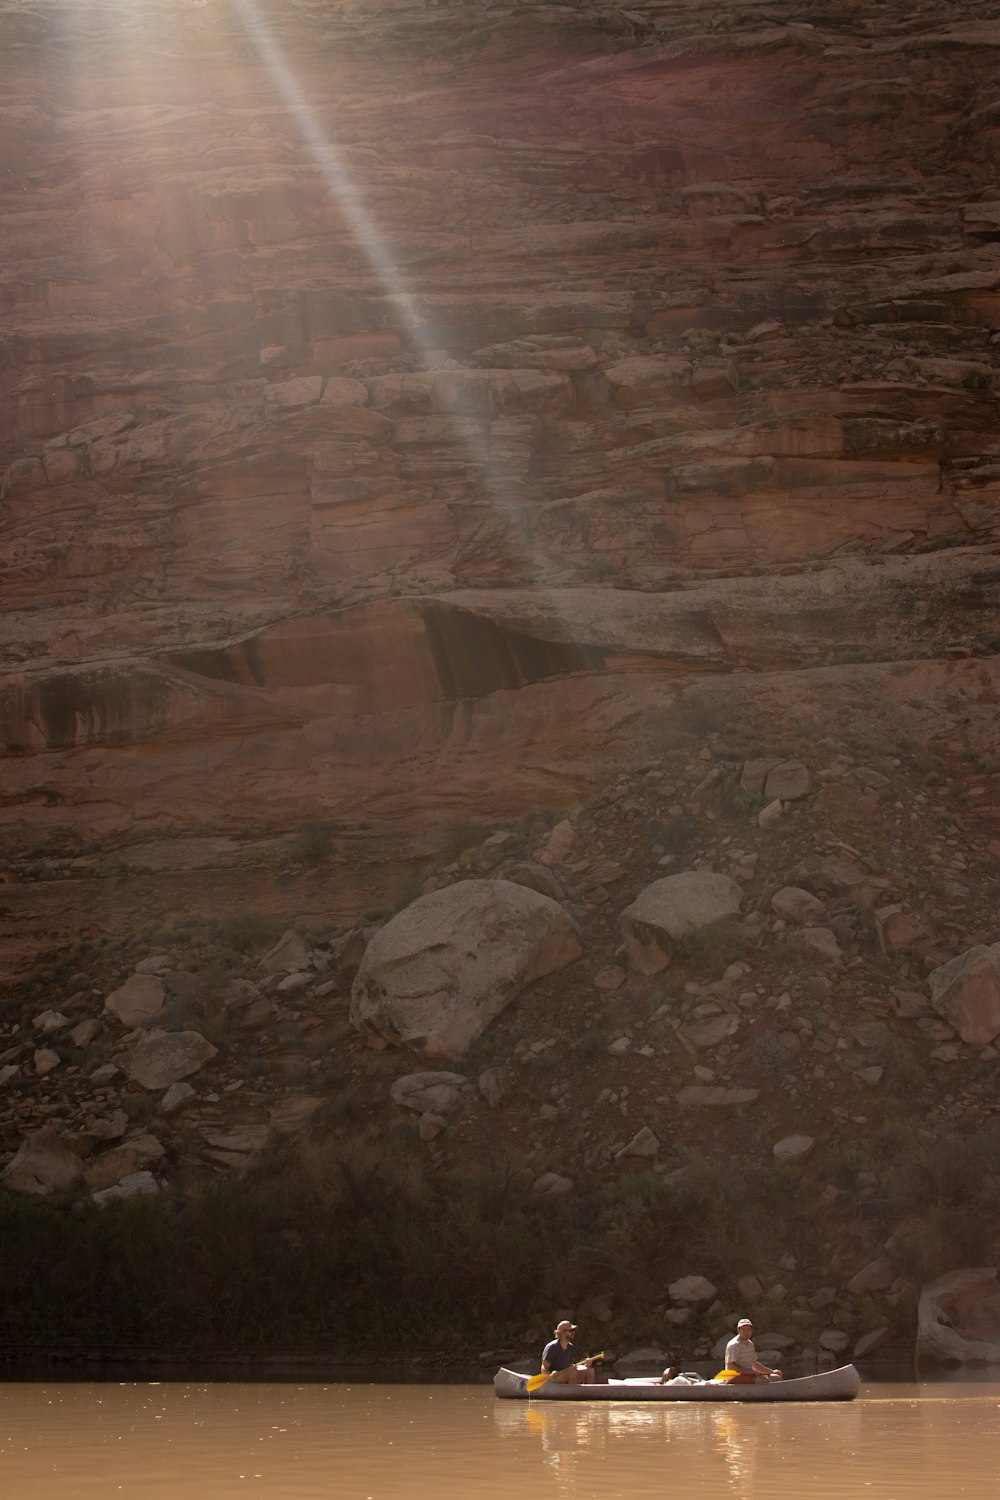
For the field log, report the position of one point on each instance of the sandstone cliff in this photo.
(409, 410)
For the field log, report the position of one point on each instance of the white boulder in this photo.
(437, 974)
(691, 1289)
(958, 1318)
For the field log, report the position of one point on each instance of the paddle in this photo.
(725, 1375)
(538, 1380)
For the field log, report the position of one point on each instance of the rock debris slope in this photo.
(802, 1090)
(409, 409)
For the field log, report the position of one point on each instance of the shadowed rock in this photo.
(164, 1057)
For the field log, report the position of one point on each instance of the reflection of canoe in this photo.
(830, 1385)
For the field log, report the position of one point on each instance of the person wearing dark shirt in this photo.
(559, 1357)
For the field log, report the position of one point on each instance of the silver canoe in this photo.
(831, 1385)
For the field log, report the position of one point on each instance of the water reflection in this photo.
(407, 1442)
(737, 1450)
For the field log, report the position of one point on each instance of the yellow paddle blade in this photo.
(725, 1375)
(538, 1380)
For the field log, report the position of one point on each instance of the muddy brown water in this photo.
(270, 1441)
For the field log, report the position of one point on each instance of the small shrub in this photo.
(590, 1044)
(713, 946)
(458, 835)
(406, 891)
(248, 931)
(314, 843)
(768, 1055)
(343, 1106)
(139, 1106)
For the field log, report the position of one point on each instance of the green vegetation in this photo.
(338, 1249)
(314, 843)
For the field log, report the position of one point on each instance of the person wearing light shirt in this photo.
(742, 1356)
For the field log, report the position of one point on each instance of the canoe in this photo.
(830, 1385)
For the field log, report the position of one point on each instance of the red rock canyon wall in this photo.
(405, 406)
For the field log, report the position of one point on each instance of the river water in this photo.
(266, 1441)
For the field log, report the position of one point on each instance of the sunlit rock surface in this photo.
(409, 411)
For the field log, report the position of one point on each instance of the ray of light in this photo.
(380, 259)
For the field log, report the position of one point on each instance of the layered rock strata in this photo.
(407, 411)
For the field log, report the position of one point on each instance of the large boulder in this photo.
(966, 992)
(138, 1001)
(44, 1164)
(436, 975)
(164, 1057)
(958, 1319)
(670, 909)
(691, 1289)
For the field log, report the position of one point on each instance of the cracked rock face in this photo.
(407, 415)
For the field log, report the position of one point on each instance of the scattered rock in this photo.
(611, 978)
(164, 1057)
(869, 1342)
(793, 1147)
(788, 781)
(552, 1185)
(966, 992)
(536, 878)
(430, 1125)
(139, 1000)
(819, 941)
(434, 1093)
(154, 963)
(85, 1032)
(651, 1356)
(670, 909)
(178, 1095)
(796, 905)
(493, 1085)
(896, 929)
(876, 1276)
(291, 951)
(122, 1161)
(558, 844)
(696, 1095)
(643, 1144)
(711, 1031)
(43, 1165)
(136, 1185)
(50, 1021)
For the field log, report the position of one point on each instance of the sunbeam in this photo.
(473, 437)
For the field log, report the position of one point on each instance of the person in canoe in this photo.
(741, 1356)
(559, 1358)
